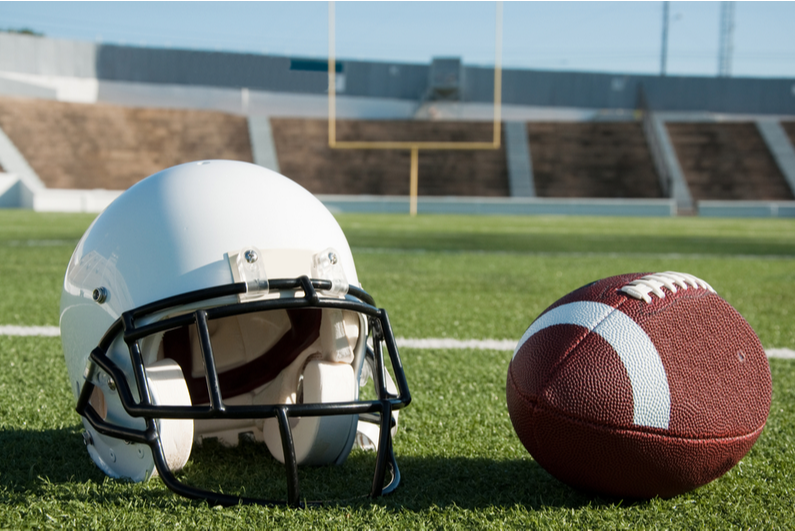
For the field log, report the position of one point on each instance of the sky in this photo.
(616, 37)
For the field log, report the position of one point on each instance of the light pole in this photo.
(664, 51)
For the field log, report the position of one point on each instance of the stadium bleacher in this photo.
(304, 155)
(75, 146)
(88, 146)
(727, 161)
(74, 121)
(596, 159)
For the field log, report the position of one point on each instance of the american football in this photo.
(639, 385)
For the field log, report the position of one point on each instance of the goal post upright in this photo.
(332, 79)
(497, 75)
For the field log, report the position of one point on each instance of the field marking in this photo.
(449, 343)
(781, 353)
(510, 345)
(16, 330)
(574, 254)
(403, 342)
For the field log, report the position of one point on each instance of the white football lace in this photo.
(642, 287)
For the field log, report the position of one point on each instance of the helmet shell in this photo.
(170, 234)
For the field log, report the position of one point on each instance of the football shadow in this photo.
(475, 483)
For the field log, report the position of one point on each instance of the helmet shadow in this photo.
(35, 460)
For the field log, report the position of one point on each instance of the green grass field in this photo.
(462, 465)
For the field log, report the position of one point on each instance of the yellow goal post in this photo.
(414, 147)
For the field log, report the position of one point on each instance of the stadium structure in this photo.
(80, 122)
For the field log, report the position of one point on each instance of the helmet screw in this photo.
(100, 295)
(111, 384)
(251, 256)
(332, 258)
(87, 439)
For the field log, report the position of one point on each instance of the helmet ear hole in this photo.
(319, 440)
(98, 402)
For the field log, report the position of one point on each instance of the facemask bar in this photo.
(379, 410)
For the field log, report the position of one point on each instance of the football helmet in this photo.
(219, 299)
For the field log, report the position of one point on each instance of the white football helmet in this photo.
(188, 312)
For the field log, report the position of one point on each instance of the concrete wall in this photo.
(502, 206)
(746, 209)
(47, 57)
(410, 81)
(618, 91)
(53, 61)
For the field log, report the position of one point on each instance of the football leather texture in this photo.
(639, 385)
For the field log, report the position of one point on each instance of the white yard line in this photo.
(14, 330)
(510, 344)
(784, 353)
(403, 342)
(477, 344)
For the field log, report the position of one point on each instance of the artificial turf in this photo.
(462, 464)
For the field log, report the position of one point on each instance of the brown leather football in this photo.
(639, 385)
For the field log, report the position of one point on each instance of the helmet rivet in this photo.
(100, 295)
(111, 384)
(332, 258)
(251, 256)
(112, 455)
(87, 439)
